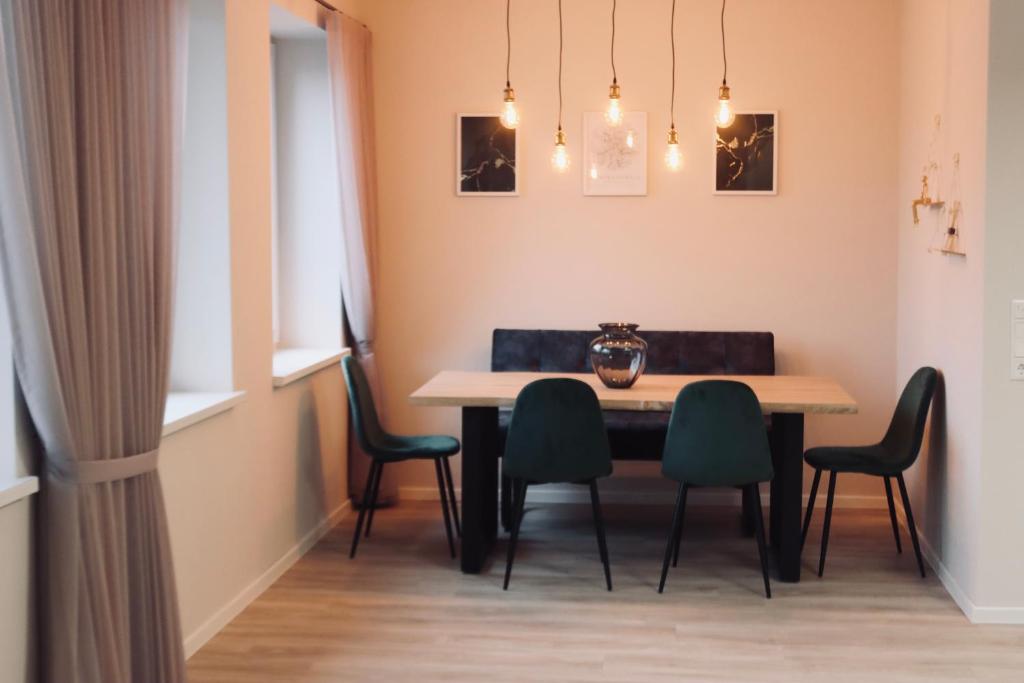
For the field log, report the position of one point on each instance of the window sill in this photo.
(12, 492)
(291, 365)
(185, 409)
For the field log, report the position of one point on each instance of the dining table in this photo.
(480, 395)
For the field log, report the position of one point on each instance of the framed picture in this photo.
(486, 154)
(615, 157)
(747, 155)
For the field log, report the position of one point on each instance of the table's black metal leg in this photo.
(479, 486)
(787, 440)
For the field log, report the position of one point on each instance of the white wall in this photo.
(816, 264)
(1002, 506)
(17, 593)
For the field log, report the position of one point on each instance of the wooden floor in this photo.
(403, 612)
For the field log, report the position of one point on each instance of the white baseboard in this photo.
(234, 607)
(975, 614)
(711, 497)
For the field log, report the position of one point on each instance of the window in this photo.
(202, 374)
(14, 482)
(307, 247)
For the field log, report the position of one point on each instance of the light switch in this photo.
(1017, 339)
(1017, 370)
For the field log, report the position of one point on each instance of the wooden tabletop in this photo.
(777, 393)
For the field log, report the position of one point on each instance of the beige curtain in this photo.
(90, 125)
(351, 76)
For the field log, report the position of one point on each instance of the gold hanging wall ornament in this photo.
(951, 235)
(930, 166)
(924, 200)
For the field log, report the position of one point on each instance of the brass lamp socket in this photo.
(673, 137)
(560, 137)
(723, 92)
(510, 94)
(613, 91)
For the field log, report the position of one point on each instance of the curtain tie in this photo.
(364, 348)
(115, 469)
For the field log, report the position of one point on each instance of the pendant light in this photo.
(560, 157)
(673, 157)
(613, 115)
(509, 113)
(725, 115)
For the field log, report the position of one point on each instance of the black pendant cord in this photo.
(672, 31)
(725, 61)
(615, 77)
(560, 41)
(508, 44)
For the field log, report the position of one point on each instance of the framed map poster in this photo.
(615, 157)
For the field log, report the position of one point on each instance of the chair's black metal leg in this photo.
(362, 509)
(762, 550)
(517, 521)
(444, 505)
(677, 517)
(828, 521)
(372, 503)
(452, 500)
(892, 515)
(507, 502)
(810, 506)
(679, 531)
(910, 522)
(602, 546)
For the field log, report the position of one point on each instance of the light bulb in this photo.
(673, 156)
(630, 140)
(510, 114)
(613, 115)
(560, 157)
(725, 115)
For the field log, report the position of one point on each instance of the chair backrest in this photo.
(369, 433)
(716, 436)
(906, 430)
(557, 434)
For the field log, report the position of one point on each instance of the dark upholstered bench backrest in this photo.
(669, 353)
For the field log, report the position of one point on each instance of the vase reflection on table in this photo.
(618, 356)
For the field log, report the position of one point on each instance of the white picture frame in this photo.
(473, 128)
(611, 166)
(758, 180)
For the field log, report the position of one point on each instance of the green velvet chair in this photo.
(889, 458)
(384, 448)
(716, 437)
(556, 435)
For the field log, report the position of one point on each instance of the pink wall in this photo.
(816, 264)
(944, 63)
